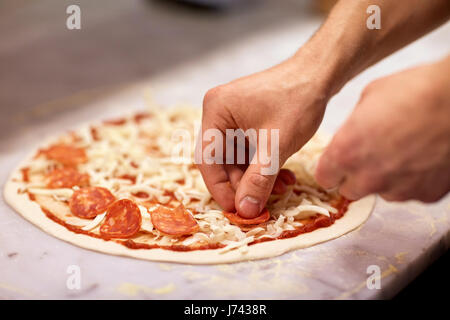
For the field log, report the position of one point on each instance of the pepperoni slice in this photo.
(236, 219)
(89, 202)
(174, 222)
(67, 178)
(123, 220)
(94, 134)
(138, 117)
(65, 154)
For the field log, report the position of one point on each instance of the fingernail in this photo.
(249, 207)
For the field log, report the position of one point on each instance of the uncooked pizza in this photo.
(114, 187)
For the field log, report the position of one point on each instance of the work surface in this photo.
(401, 239)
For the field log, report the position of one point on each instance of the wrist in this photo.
(316, 68)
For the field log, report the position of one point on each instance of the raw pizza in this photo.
(114, 187)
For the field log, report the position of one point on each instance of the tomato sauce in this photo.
(25, 174)
(319, 221)
(309, 225)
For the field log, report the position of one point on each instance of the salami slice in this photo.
(66, 178)
(123, 220)
(65, 154)
(89, 202)
(174, 222)
(236, 219)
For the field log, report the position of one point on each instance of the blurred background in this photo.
(119, 41)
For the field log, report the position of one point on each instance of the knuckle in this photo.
(372, 86)
(258, 182)
(210, 96)
(213, 94)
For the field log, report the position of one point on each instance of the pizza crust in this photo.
(357, 213)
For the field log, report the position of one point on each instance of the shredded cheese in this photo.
(134, 160)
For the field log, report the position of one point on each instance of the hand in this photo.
(397, 141)
(284, 97)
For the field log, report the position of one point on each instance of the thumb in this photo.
(253, 191)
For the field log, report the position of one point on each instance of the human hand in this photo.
(284, 97)
(397, 140)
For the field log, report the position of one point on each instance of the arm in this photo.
(343, 47)
(292, 96)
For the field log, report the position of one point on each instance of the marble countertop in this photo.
(402, 239)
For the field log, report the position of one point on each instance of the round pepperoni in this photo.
(123, 220)
(67, 155)
(67, 178)
(91, 201)
(236, 219)
(174, 222)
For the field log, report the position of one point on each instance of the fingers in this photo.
(235, 174)
(218, 184)
(285, 178)
(350, 190)
(253, 191)
(426, 189)
(279, 187)
(328, 173)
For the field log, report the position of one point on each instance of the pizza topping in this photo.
(63, 193)
(138, 117)
(89, 202)
(123, 220)
(94, 133)
(236, 219)
(65, 154)
(128, 177)
(115, 156)
(237, 244)
(94, 223)
(25, 174)
(174, 222)
(66, 178)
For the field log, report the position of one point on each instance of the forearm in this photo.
(344, 46)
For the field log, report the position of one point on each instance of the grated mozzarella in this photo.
(144, 151)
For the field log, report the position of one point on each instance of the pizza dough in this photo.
(357, 213)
